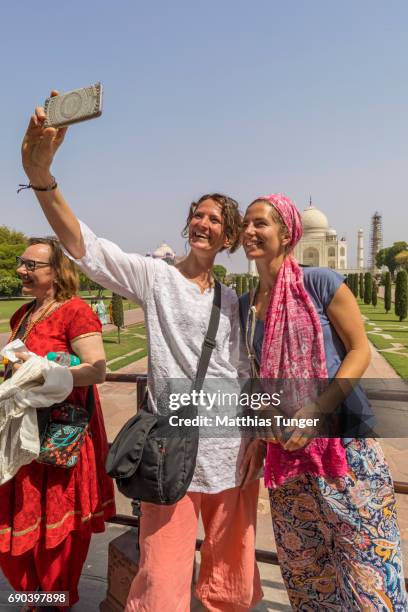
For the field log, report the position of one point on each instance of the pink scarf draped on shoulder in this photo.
(293, 348)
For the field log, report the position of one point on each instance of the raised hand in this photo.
(39, 147)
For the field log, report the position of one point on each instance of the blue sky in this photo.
(304, 97)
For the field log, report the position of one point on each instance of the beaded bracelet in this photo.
(50, 187)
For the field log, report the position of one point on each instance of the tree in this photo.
(350, 282)
(401, 295)
(8, 254)
(117, 312)
(220, 272)
(244, 284)
(380, 258)
(86, 284)
(12, 243)
(401, 259)
(374, 293)
(387, 256)
(9, 285)
(238, 285)
(368, 288)
(252, 283)
(361, 285)
(387, 292)
(8, 236)
(355, 285)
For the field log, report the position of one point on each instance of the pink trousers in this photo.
(229, 578)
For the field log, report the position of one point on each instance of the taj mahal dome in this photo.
(320, 245)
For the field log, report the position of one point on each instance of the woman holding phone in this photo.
(332, 500)
(177, 301)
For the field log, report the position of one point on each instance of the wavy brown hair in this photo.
(231, 216)
(67, 279)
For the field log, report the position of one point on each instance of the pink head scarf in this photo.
(293, 348)
(289, 215)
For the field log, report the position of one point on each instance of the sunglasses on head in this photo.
(30, 264)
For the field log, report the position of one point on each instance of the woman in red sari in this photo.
(48, 513)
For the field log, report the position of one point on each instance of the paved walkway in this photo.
(132, 316)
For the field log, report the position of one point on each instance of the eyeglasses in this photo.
(30, 264)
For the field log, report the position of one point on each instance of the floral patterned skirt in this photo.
(338, 541)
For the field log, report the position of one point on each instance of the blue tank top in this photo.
(321, 285)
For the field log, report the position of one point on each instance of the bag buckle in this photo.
(209, 342)
(136, 507)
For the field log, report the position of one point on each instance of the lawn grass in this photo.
(389, 324)
(121, 363)
(129, 341)
(9, 307)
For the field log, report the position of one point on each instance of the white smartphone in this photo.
(74, 106)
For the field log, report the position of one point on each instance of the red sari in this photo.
(43, 504)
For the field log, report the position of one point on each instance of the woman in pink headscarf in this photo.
(332, 498)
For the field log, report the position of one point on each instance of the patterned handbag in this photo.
(65, 433)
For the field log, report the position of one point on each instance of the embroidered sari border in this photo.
(49, 526)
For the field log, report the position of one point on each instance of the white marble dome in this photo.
(331, 232)
(313, 219)
(164, 250)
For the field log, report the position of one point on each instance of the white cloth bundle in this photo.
(38, 383)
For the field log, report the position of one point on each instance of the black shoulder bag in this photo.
(149, 461)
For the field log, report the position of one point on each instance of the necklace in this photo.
(249, 336)
(208, 284)
(28, 319)
(36, 315)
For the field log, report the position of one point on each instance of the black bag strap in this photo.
(209, 340)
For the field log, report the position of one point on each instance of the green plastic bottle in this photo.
(64, 359)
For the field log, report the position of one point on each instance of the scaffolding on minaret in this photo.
(376, 240)
(360, 249)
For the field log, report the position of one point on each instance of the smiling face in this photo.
(39, 283)
(206, 229)
(264, 236)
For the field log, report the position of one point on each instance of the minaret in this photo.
(375, 241)
(252, 269)
(360, 250)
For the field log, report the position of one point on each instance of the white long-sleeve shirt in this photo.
(176, 317)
